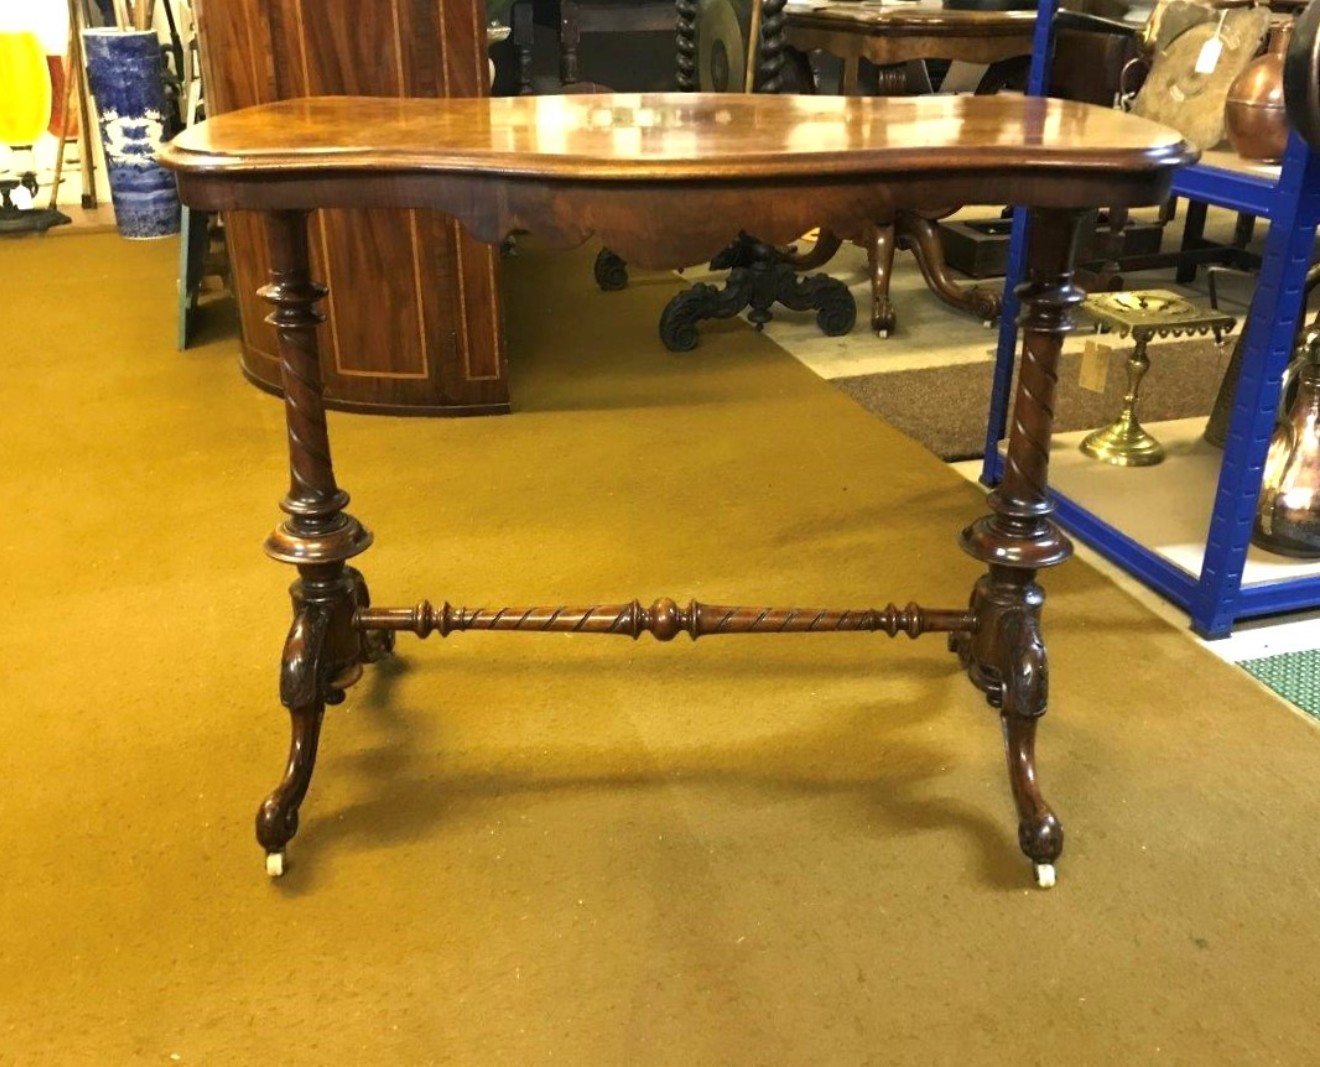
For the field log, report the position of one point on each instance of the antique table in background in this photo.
(662, 179)
(899, 34)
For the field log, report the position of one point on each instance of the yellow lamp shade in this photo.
(24, 88)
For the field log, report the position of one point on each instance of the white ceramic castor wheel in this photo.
(1045, 875)
(275, 864)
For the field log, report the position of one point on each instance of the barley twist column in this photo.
(685, 44)
(317, 530)
(769, 56)
(323, 652)
(1005, 654)
(1019, 532)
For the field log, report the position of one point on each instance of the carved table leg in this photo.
(524, 36)
(880, 255)
(570, 36)
(922, 236)
(324, 651)
(827, 244)
(1005, 653)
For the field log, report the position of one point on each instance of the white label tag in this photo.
(1209, 55)
(1095, 367)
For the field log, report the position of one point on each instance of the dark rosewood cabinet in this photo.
(413, 320)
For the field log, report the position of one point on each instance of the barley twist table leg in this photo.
(1005, 653)
(324, 651)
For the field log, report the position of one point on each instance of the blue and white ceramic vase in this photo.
(124, 72)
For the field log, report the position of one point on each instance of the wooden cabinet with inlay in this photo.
(413, 320)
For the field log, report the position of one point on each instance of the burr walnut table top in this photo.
(675, 137)
(666, 180)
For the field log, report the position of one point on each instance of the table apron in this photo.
(883, 46)
(662, 225)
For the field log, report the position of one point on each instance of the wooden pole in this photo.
(64, 114)
(77, 75)
(753, 48)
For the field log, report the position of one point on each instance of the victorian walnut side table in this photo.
(666, 180)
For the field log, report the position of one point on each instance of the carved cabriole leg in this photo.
(324, 651)
(922, 236)
(879, 240)
(1005, 653)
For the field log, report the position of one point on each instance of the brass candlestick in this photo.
(1144, 314)
(1126, 443)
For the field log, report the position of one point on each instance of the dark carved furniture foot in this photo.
(766, 281)
(611, 271)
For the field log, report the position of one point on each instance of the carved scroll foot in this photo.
(836, 310)
(678, 322)
(884, 319)
(323, 656)
(1005, 658)
(1040, 835)
(611, 271)
(302, 691)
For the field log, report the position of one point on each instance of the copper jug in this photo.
(1254, 115)
(1288, 513)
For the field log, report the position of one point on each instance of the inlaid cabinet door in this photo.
(413, 317)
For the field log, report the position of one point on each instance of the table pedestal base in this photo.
(758, 279)
(336, 631)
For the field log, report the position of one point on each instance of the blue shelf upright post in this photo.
(1042, 51)
(1271, 328)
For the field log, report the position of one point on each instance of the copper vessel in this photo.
(1254, 115)
(1288, 514)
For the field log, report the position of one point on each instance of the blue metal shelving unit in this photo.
(1217, 598)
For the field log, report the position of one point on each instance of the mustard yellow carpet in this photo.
(584, 851)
